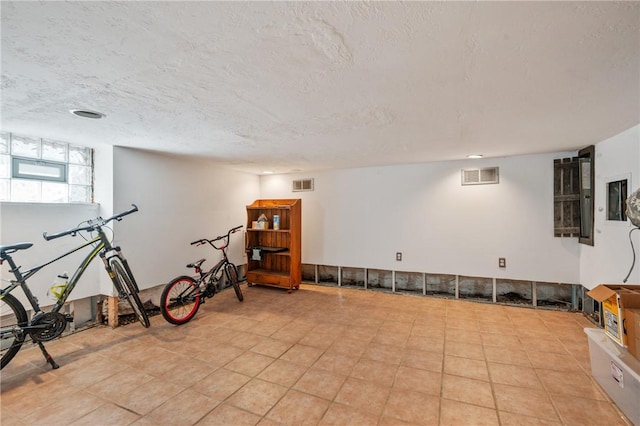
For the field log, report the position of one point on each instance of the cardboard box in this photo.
(615, 299)
(617, 372)
(632, 326)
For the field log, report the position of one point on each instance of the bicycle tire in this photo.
(129, 289)
(12, 314)
(125, 263)
(232, 276)
(180, 300)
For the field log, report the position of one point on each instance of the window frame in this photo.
(612, 180)
(17, 161)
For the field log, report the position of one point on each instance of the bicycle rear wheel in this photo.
(12, 316)
(180, 300)
(129, 289)
(232, 276)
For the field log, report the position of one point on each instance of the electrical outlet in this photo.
(502, 262)
(399, 256)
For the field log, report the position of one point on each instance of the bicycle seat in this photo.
(12, 248)
(196, 264)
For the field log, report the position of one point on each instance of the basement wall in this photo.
(610, 258)
(181, 199)
(357, 218)
(362, 217)
(25, 222)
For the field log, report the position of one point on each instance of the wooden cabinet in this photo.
(274, 255)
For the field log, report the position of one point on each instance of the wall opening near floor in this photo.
(532, 294)
(441, 285)
(475, 288)
(514, 292)
(379, 279)
(409, 282)
(352, 277)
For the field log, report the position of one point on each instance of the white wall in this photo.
(362, 217)
(180, 200)
(103, 178)
(355, 217)
(25, 222)
(609, 260)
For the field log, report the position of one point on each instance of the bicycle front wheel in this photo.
(12, 318)
(232, 276)
(129, 290)
(180, 300)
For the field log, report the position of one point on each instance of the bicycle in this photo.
(182, 297)
(15, 325)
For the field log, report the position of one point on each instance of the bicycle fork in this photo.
(118, 253)
(125, 262)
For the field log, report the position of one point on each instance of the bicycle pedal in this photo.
(68, 317)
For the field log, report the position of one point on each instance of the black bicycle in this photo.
(182, 297)
(15, 324)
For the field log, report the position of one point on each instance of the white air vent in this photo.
(302, 185)
(480, 176)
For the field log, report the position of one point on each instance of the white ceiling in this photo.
(299, 86)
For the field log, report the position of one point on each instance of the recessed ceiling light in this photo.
(474, 156)
(268, 172)
(85, 113)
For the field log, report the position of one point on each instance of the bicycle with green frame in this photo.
(15, 325)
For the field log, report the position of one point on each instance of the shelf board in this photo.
(278, 253)
(269, 230)
(268, 272)
(269, 208)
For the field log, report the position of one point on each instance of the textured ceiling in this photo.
(299, 86)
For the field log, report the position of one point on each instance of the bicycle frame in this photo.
(210, 275)
(213, 271)
(102, 246)
(182, 296)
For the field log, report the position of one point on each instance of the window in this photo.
(617, 200)
(41, 170)
(27, 168)
(586, 166)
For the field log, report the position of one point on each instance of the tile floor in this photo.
(322, 355)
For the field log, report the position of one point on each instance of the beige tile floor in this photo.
(322, 355)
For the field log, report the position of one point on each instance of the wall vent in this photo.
(483, 176)
(302, 185)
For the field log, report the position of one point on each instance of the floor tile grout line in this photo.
(492, 387)
(442, 369)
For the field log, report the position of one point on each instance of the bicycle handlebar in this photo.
(92, 224)
(218, 238)
(119, 216)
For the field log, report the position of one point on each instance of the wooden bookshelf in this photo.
(274, 255)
